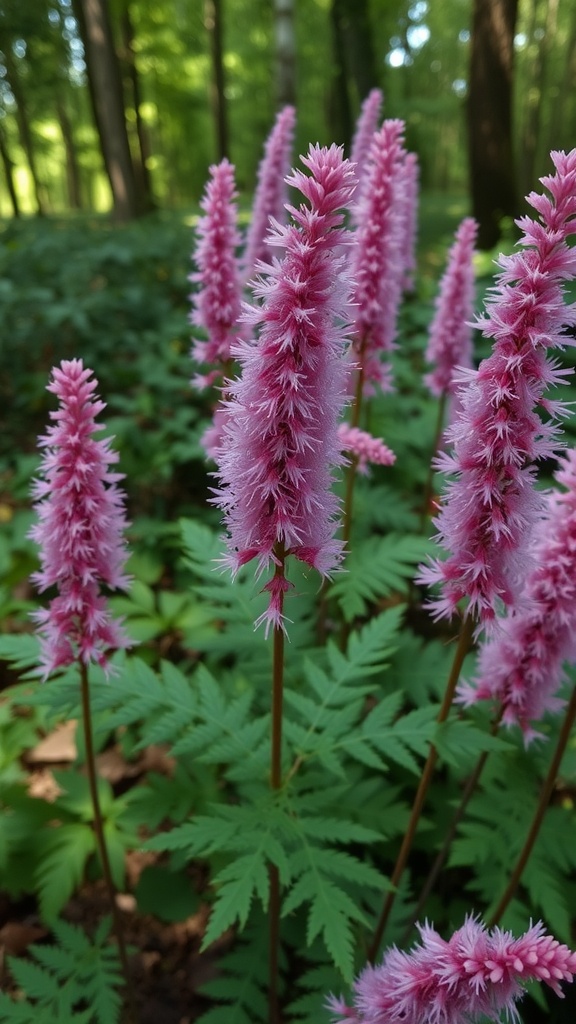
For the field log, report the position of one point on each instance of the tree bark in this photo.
(24, 129)
(213, 21)
(532, 134)
(108, 99)
(340, 106)
(8, 166)
(143, 178)
(72, 169)
(285, 34)
(492, 177)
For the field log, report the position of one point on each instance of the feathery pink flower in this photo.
(477, 974)
(271, 193)
(376, 263)
(450, 335)
(80, 524)
(217, 300)
(491, 506)
(366, 126)
(522, 665)
(281, 440)
(409, 199)
(365, 447)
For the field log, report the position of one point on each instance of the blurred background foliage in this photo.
(123, 104)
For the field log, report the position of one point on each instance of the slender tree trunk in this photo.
(492, 178)
(285, 34)
(358, 37)
(213, 14)
(536, 88)
(560, 131)
(111, 122)
(142, 172)
(8, 167)
(72, 169)
(24, 129)
(340, 107)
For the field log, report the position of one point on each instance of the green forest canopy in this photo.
(416, 50)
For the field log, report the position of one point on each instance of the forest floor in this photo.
(167, 967)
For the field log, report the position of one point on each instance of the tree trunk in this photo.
(285, 34)
(72, 169)
(143, 179)
(8, 166)
(340, 107)
(535, 90)
(111, 122)
(492, 179)
(214, 27)
(561, 129)
(24, 129)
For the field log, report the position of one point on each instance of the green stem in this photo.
(276, 783)
(462, 648)
(98, 825)
(545, 795)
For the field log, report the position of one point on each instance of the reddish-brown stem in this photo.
(98, 826)
(545, 795)
(460, 653)
(450, 834)
(425, 513)
(275, 783)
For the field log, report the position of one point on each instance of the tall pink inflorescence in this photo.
(450, 335)
(477, 975)
(281, 436)
(491, 504)
(80, 525)
(376, 260)
(217, 299)
(410, 185)
(366, 126)
(271, 193)
(521, 667)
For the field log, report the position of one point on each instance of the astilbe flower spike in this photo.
(476, 975)
(450, 334)
(271, 193)
(376, 262)
(81, 520)
(366, 126)
(217, 299)
(491, 506)
(410, 182)
(281, 441)
(521, 666)
(365, 447)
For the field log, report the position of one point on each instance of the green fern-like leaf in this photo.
(65, 852)
(61, 979)
(241, 986)
(376, 568)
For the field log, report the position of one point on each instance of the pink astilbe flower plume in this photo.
(366, 126)
(365, 447)
(491, 506)
(376, 261)
(410, 181)
(522, 665)
(81, 520)
(281, 441)
(271, 192)
(475, 976)
(217, 299)
(450, 335)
